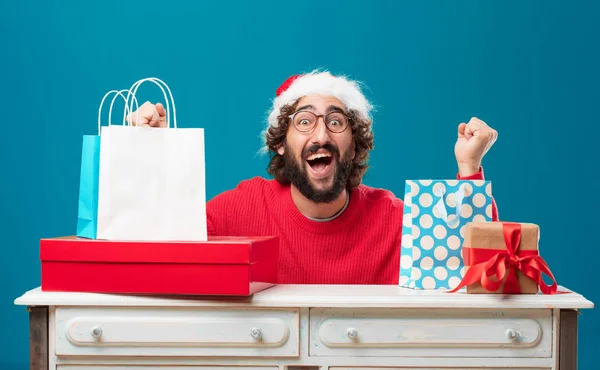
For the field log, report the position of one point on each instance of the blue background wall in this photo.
(529, 69)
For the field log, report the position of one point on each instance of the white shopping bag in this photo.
(152, 180)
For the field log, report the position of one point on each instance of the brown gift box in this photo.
(489, 235)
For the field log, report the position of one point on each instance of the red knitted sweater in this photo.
(360, 246)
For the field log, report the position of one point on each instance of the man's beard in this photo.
(296, 173)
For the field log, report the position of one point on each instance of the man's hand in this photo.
(149, 115)
(474, 140)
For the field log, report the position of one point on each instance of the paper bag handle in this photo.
(459, 195)
(137, 107)
(158, 82)
(117, 93)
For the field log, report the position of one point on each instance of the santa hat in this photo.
(319, 83)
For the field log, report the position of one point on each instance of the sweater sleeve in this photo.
(479, 176)
(216, 213)
(219, 208)
(225, 210)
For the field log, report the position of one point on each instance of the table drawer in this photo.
(165, 367)
(107, 331)
(430, 333)
(437, 368)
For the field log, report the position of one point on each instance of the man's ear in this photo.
(280, 150)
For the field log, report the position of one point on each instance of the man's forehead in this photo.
(320, 102)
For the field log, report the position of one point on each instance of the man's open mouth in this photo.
(319, 161)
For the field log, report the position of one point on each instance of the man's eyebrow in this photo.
(335, 108)
(331, 108)
(311, 107)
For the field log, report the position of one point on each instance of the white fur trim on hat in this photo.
(324, 84)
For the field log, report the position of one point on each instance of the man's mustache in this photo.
(315, 148)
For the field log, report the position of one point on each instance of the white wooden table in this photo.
(287, 327)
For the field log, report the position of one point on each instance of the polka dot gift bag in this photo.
(435, 215)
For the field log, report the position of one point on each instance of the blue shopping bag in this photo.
(89, 177)
(87, 213)
(433, 226)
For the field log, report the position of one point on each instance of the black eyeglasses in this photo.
(306, 121)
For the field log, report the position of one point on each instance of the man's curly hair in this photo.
(361, 133)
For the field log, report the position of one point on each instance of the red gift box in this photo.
(239, 266)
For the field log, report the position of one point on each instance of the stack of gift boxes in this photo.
(142, 226)
(218, 266)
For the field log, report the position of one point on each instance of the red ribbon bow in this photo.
(485, 263)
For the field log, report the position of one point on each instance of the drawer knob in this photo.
(351, 333)
(256, 333)
(96, 332)
(512, 334)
